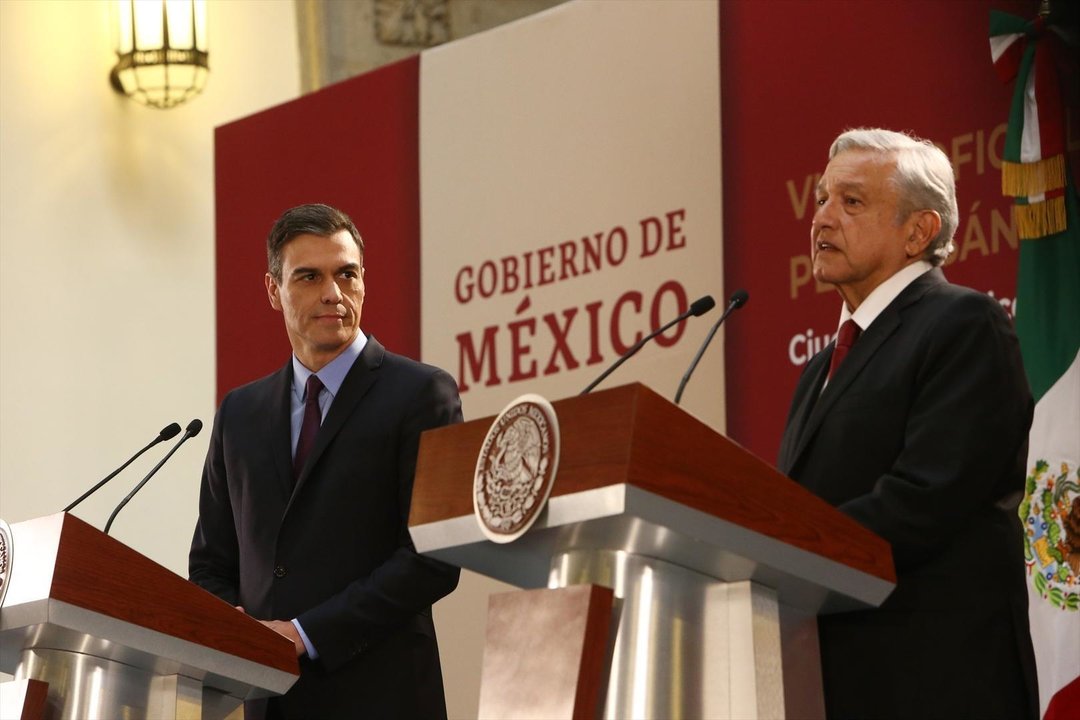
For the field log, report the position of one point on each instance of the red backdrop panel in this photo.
(793, 76)
(353, 146)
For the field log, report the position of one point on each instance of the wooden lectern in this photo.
(719, 564)
(115, 635)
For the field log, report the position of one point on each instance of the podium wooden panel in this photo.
(96, 619)
(23, 700)
(544, 653)
(679, 521)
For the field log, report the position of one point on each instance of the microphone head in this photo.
(193, 427)
(702, 305)
(739, 298)
(169, 431)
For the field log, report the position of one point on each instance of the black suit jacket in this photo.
(921, 435)
(334, 552)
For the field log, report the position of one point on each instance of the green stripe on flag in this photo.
(1002, 23)
(1014, 134)
(1048, 300)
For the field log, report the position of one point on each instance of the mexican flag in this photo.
(1048, 323)
(1037, 175)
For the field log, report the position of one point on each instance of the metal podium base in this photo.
(82, 687)
(686, 645)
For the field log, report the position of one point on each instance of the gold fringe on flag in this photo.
(1034, 178)
(1040, 219)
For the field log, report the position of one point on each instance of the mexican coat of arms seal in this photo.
(516, 468)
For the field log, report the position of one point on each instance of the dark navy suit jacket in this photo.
(334, 552)
(921, 435)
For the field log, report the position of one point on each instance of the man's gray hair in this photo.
(924, 178)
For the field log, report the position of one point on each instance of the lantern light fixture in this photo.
(162, 58)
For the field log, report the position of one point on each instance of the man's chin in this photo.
(822, 276)
(336, 343)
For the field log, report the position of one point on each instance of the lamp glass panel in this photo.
(181, 77)
(122, 26)
(149, 30)
(200, 25)
(151, 79)
(180, 30)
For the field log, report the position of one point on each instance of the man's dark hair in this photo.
(311, 219)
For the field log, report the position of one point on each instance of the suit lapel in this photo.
(359, 380)
(279, 428)
(860, 355)
(803, 404)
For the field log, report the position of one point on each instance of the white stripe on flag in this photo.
(1030, 140)
(1055, 437)
(1000, 43)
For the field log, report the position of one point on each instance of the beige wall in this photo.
(106, 278)
(341, 39)
(106, 260)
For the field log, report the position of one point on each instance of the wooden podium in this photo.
(115, 635)
(719, 564)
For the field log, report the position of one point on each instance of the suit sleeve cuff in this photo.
(311, 653)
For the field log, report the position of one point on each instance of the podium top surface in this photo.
(72, 584)
(630, 461)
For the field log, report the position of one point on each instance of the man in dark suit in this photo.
(914, 422)
(306, 490)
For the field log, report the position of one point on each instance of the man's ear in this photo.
(273, 292)
(925, 226)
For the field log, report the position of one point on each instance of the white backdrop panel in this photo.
(570, 188)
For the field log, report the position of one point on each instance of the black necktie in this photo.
(310, 428)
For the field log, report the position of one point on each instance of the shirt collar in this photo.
(880, 297)
(332, 375)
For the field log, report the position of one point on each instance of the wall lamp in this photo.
(161, 52)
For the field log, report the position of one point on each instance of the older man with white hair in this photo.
(914, 422)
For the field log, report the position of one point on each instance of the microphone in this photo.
(738, 299)
(699, 307)
(190, 431)
(167, 433)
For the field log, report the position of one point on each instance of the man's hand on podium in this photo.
(286, 628)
